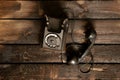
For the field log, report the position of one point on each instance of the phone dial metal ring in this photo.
(52, 40)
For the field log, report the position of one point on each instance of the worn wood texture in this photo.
(31, 31)
(21, 34)
(103, 9)
(58, 72)
(19, 9)
(35, 9)
(28, 31)
(108, 31)
(36, 54)
(20, 31)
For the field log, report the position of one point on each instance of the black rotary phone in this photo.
(55, 38)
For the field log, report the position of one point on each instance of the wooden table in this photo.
(21, 36)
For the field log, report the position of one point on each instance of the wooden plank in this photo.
(31, 31)
(19, 9)
(34, 53)
(108, 31)
(28, 53)
(20, 31)
(106, 53)
(25, 72)
(103, 9)
(83, 9)
(92, 9)
(99, 72)
(36, 9)
(58, 72)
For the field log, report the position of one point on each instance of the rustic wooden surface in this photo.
(20, 31)
(58, 72)
(31, 31)
(19, 9)
(34, 53)
(27, 31)
(34, 9)
(21, 34)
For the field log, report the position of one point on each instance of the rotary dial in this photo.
(52, 40)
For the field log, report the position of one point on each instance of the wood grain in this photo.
(19, 9)
(31, 31)
(36, 54)
(28, 53)
(108, 31)
(21, 35)
(20, 31)
(58, 72)
(36, 9)
(103, 9)
(100, 71)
